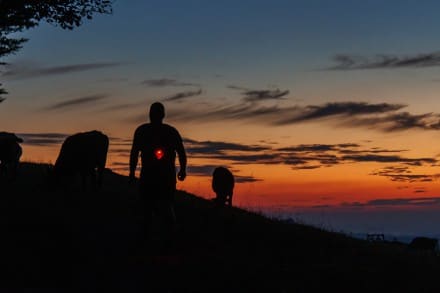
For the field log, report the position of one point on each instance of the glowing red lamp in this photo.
(158, 153)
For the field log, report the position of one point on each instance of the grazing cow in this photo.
(10, 153)
(425, 244)
(85, 154)
(223, 185)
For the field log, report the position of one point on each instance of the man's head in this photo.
(157, 112)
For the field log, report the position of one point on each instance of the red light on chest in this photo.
(159, 153)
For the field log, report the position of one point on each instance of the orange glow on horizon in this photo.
(280, 185)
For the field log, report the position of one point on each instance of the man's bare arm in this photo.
(182, 160)
(134, 156)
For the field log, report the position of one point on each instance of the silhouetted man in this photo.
(158, 144)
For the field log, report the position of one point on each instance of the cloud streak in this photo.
(384, 117)
(305, 157)
(183, 95)
(319, 147)
(397, 122)
(167, 82)
(353, 62)
(42, 139)
(78, 102)
(388, 159)
(311, 156)
(404, 174)
(314, 156)
(24, 71)
(122, 106)
(344, 109)
(250, 95)
(201, 170)
(246, 179)
(219, 147)
(417, 201)
(207, 171)
(55, 138)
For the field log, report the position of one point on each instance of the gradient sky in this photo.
(326, 111)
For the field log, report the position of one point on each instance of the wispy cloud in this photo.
(250, 112)
(116, 141)
(320, 147)
(421, 190)
(404, 174)
(183, 95)
(325, 155)
(29, 70)
(246, 179)
(120, 152)
(264, 158)
(315, 156)
(299, 157)
(207, 171)
(307, 156)
(259, 95)
(201, 170)
(55, 138)
(166, 82)
(219, 147)
(42, 139)
(346, 109)
(122, 106)
(250, 95)
(417, 201)
(384, 117)
(306, 167)
(383, 61)
(232, 152)
(78, 102)
(396, 122)
(388, 159)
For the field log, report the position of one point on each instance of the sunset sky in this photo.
(326, 111)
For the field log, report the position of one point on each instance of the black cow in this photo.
(425, 244)
(85, 154)
(10, 153)
(223, 185)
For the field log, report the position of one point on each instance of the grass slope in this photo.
(87, 242)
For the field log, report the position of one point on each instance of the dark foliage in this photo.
(18, 15)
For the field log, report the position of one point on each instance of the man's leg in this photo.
(145, 212)
(167, 219)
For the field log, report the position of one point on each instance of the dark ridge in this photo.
(85, 242)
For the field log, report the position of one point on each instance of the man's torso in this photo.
(157, 144)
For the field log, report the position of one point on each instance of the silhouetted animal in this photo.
(424, 244)
(223, 185)
(85, 154)
(10, 153)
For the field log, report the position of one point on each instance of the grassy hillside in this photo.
(90, 241)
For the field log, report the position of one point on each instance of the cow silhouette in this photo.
(424, 244)
(10, 153)
(83, 154)
(223, 185)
